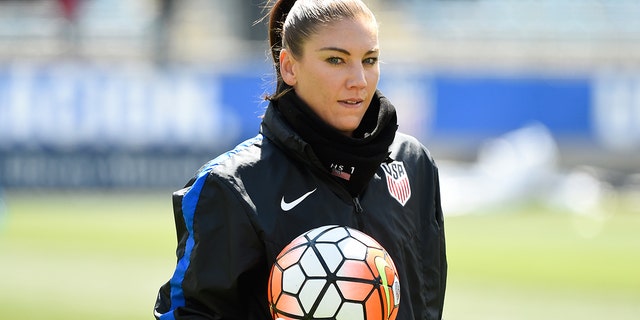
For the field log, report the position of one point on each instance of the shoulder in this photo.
(248, 161)
(242, 155)
(221, 176)
(408, 148)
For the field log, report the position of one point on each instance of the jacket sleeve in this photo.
(220, 272)
(438, 303)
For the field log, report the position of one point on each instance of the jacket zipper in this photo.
(358, 211)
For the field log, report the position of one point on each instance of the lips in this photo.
(351, 102)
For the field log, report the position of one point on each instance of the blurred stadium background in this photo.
(532, 109)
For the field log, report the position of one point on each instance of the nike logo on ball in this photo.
(286, 206)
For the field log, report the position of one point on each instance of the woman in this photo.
(327, 153)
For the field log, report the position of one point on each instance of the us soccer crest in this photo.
(397, 181)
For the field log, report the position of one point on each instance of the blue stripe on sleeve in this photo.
(189, 203)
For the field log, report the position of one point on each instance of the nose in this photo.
(357, 77)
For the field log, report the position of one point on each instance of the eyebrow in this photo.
(345, 51)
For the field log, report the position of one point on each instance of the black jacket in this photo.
(236, 215)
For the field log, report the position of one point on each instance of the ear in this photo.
(287, 67)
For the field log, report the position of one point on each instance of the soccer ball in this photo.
(334, 272)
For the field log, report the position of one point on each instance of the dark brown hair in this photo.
(292, 22)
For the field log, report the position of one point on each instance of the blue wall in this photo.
(489, 106)
(113, 119)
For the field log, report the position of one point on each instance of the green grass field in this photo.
(86, 255)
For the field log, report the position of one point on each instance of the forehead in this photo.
(359, 33)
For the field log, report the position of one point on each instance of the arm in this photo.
(442, 244)
(221, 269)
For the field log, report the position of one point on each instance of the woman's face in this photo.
(337, 73)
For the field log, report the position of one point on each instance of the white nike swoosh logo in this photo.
(286, 206)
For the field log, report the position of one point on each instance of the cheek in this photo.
(330, 78)
(326, 84)
(373, 76)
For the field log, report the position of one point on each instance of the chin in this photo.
(347, 131)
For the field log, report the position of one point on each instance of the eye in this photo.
(370, 61)
(335, 60)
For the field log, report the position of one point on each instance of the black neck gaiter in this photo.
(350, 160)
